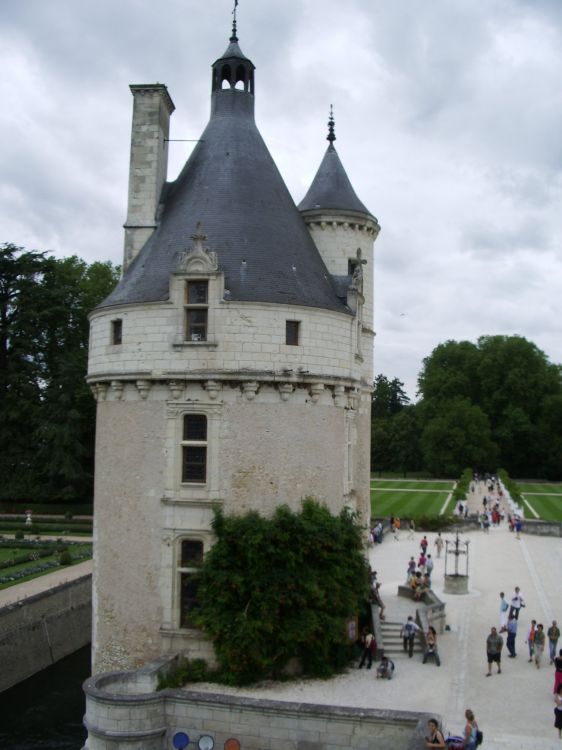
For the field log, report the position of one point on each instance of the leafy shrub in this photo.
(18, 534)
(461, 490)
(433, 523)
(188, 670)
(273, 590)
(65, 558)
(511, 486)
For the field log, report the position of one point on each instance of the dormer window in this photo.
(196, 310)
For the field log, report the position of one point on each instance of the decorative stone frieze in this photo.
(198, 259)
(213, 388)
(316, 390)
(176, 389)
(250, 388)
(117, 389)
(143, 387)
(285, 390)
(100, 391)
(340, 398)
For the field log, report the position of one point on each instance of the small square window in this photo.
(196, 310)
(196, 324)
(197, 292)
(292, 332)
(116, 332)
(195, 427)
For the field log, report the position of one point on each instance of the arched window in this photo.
(241, 79)
(226, 76)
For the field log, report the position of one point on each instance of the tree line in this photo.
(494, 403)
(47, 413)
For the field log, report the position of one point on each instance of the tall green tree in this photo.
(47, 414)
(388, 398)
(510, 380)
(458, 435)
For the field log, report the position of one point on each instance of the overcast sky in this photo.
(448, 122)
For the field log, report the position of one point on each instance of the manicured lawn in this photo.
(412, 484)
(540, 488)
(408, 498)
(32, 568)
(549, 507)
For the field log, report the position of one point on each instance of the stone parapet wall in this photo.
(118, 718)
(542, 528)
(44, 628)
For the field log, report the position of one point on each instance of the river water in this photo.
(45, 712)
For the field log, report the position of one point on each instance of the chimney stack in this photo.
(152, 108)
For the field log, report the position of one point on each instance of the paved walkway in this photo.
(514, 709)
(21, 591)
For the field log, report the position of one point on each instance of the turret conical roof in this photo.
(232, 186)
(331, 188)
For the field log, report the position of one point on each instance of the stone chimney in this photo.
(152, 108)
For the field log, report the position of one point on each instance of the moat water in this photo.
(45, 712)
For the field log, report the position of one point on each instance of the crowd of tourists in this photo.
(541, 639)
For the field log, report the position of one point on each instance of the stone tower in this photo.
(232, 364)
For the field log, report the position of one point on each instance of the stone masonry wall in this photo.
(118, 714)
(44, 628)
(243, 336)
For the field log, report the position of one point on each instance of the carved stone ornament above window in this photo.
(197, 259)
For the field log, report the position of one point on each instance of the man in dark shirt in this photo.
(494, 645)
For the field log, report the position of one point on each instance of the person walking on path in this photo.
(423, 544)
(409, 630)
(553, 634)
(439, 543)
(516, 603)
(538, 648)
(431, 646)
(434, 737)
(429, 566)
(518, 527)
(531, 639)
(494, 645)
(504, 606)
(411, 528)
(511, 635)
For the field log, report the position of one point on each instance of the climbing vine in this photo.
(272, 590)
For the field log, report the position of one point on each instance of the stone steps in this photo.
(392, 643)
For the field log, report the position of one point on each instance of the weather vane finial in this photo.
(234, 38)
(331, 125)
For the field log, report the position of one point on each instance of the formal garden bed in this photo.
(23, 559)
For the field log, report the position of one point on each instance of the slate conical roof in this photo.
(231, 185)
(331, 188)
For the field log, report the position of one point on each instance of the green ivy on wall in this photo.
(274, 590)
